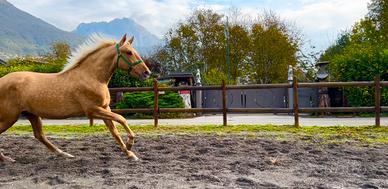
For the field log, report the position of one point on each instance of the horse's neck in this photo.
(98, 66)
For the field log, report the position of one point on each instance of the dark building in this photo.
(182, 79)
(179, 79)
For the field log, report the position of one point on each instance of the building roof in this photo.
(321, 63)
(178, 75)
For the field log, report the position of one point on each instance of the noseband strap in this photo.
(130, 64)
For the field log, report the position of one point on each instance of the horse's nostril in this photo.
(147, 73)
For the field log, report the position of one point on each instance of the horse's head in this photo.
(128, 59)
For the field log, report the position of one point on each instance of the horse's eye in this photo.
(129, 53)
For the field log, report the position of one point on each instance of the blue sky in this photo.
(320, 21)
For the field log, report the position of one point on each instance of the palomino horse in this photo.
(80, 89)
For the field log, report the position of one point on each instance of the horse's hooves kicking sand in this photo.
(80, 89)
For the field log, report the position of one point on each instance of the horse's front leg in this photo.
(106, 114)
(116, 135)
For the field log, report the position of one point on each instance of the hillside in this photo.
(22, 33)
(145, 41)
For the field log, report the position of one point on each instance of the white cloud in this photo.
(155, 15)
(323, 20)
(326, 15)
(319, 20)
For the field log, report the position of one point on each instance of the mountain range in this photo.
(24, 34)
(144, 40)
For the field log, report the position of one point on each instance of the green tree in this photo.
(274, 47)
(262, 51)
(362, 53)
(239, 50)
(378, 14)
(123, 79)
(52, 62)
(60, 51)
(197, 43)
(337, 48)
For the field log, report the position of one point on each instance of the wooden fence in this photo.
(377, 109)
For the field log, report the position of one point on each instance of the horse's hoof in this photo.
(67, 155)
(64, 154)
(134, 158)
(7, 159)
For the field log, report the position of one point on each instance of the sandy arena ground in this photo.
(193, 161)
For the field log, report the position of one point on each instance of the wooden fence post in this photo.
(377, 101)
(224, 108)
(156, 103)
(296, 104)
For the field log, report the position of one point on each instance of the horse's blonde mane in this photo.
(94, 43)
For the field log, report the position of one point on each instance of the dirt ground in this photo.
(193, 161)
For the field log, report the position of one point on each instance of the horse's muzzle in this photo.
(145, 75)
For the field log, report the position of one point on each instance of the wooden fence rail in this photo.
(377, 109)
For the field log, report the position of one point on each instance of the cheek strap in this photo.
(121, 56)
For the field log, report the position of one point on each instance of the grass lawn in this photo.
(337, 134)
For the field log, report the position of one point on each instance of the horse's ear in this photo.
(123, 39)
(130, 41)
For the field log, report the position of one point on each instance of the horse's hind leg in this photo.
(36, 124)
(5, 158)
(4, 125)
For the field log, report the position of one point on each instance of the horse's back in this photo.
(14, 78)
(38, 93)
(19, 81)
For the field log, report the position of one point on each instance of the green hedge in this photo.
(365, 96)
(29, 64)
(146, 100)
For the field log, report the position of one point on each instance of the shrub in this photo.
(30, 64)
(361, 64)
(123, 79)
(146, 100)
